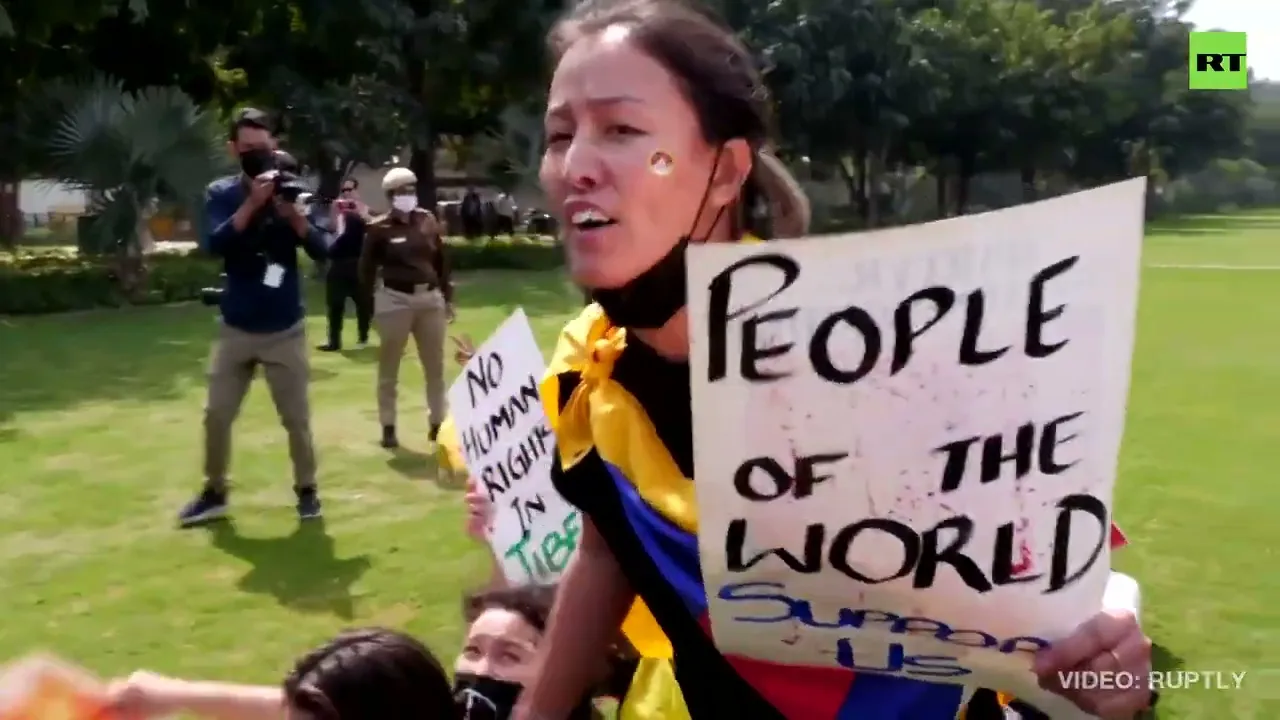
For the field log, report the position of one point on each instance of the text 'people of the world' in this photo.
(940, 445)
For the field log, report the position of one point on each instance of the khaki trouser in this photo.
(397, 316)
(236, 357)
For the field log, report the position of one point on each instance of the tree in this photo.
(1053, 63)
(131, 152)
(1264, 126)
(966, 49)
(460, 64)
(310, 63)
(60, 39)
(846, 80)
(1150, 122)
(513, 152)
(371, 77)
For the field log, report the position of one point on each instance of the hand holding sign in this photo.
(1111, 642)
(479, 513)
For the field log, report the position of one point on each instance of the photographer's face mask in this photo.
(480, 697)
(255, 161)
(404, 203)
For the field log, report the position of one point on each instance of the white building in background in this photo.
(41, 197)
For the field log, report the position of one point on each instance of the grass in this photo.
(100, 426)
(99, 445)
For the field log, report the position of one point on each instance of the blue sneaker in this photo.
(308, 504)
(209, 505)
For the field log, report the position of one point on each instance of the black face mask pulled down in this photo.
(649, 300)
(479, 697)
(256, 161)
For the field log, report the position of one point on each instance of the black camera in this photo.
(212, 296)
(288, 186)
(287, 176)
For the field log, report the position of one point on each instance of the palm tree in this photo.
(514, 148)
(131, 153)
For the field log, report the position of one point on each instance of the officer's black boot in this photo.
(389, 439)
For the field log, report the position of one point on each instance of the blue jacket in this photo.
(249, 303)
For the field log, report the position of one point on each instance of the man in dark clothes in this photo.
(342, 282)
(471, 211)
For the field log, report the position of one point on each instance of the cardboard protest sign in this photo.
(45, 688)
(906, 440)
(507, 444)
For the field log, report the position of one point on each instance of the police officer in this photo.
(405, 265)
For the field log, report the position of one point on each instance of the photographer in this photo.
(255, 225)
(350, 218)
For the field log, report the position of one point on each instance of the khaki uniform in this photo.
(409, 274)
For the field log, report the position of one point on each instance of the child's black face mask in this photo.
(479, 697)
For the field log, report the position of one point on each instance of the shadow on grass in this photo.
(413, 464)
(128, 354)
(1214, 224)
(299, 570)
(366, 355)
(1162, 660)
(151, 354)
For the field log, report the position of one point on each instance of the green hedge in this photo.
(58, 279)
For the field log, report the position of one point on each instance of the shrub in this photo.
(61, 233)
(60, 279)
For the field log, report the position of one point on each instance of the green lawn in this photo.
(100, 426)
(99, 445)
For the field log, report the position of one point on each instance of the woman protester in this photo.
(656, 139)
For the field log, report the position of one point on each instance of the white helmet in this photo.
(397, 178)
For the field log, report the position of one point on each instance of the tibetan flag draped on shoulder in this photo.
(657, 498)
(659, 505)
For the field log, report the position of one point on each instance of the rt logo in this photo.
(1217, 61)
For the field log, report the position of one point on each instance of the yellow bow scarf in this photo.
(600, 413)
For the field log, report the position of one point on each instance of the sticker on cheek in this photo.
(661, 163)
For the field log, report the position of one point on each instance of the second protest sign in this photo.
(507, 444)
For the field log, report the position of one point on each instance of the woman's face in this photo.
(615, 116)
(501, 645)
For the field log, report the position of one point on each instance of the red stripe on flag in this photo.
(798, 692)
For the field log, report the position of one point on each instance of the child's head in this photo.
(504, 629)
(369, 673)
